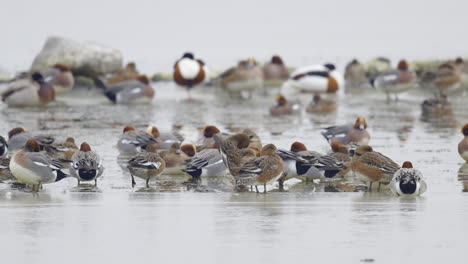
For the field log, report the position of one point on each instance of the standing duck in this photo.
(86, 165)
(60, 77)
(396, 81)
(448, 78)
(275, 72)
(355, 75)
(313, 79)
(266, 168)
(408, 181)
(370, 166)
(146, 165)
(188, 72)
(137, 90)
(307, 165)
(463, 145)
(17, 138)
(133, 141)
(33, 91)
(30, 166)
(282, 107)
(351, 133)
(242, 80)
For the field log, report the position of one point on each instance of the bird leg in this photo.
(133, 181)
(78, 183)
(264, 188)
(370, 186)
(95, 182)
(281, 185)
(147, 183)
(256, 188)
(378, 189)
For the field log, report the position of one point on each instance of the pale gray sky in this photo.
(155, 33)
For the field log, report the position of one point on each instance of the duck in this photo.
(136, 90)
(29, 91)
(188, 72)
(28, 165)
(174, 158)
(376, 66)
(5, 172)
(436, 107)
(3, 146)
(351, 133)
(321, 105)
(207, 140)
(255, 142)
(313, 79)
(448, 78)
(370, 166)
(230, 148)
(62, 150)
(275, 72)
(396, 81)
(355, 75)
(243, 80)
(189, 149)
(146, 165)
(130, 72)
(462, 68)
(206, 163)
(282, 107)
(60, 77)
(86, 165)
(307, 165)
(463, 145)
(340, 152)
(262, 170)
(18, 136)
(165, 139)
(408, 181)
(133, 141)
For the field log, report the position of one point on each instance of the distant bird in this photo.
(321, 105)
(313, 79)
(130, 72)
(146, 165)
(188, 72)
(408, 181)
(355, 75)
(447, 78)
(275, 72)
(130, 91)
(376, 66)
(3, 146)
(33, 91)
(242, 80)
(463, 145)
(18, 136)
(60, 77)
(370, 166)
(86, 165)
(30, 166)
(436, 107)
(396, 81)
(283, 107)
(351, 133)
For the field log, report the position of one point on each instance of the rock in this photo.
(89, 59)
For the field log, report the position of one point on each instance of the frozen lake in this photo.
(175, 224)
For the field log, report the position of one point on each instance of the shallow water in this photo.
(172, 223)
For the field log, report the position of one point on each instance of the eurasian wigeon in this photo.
(189, 149)
(137, 90)
(283, 107)
(3, 146)
(255, 141)
(408, 181)
(30, 166)
(133, 141)
(275, 72)
(355, 75)
(448, 78)
(60, 77)
(230, 148)
(321, 105)
(188, 72)
(351, 133)
(174, 158)
(463, 145)
(242, 80)
(33, 91)
(462, 68)
(370, 166)
(341, 153)
(206, 140)
(313, 79)
(130, 72)
(17, 138)
(307, 165)
(396, 81)
(146, 165)
(436, 107)
(205, 163)
(61, 150)
(86, 164)
(266, 168)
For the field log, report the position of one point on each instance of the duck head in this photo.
(403, 65)
(128, 128)
(268, 149)
(330, 66)
(362, 149)
(465, 130)
(209, 131)
(241, 140)
(32, 146)
(277, 60)
(85, 147)
(16, 131)
(153, 147)
(189, 149)
(360, 123)
(188, 55)
(154, 131)
(297, 147)
(280, 100)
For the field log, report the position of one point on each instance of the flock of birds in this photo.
(37, 159)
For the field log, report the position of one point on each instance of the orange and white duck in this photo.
(188, 72)
(314, 79)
